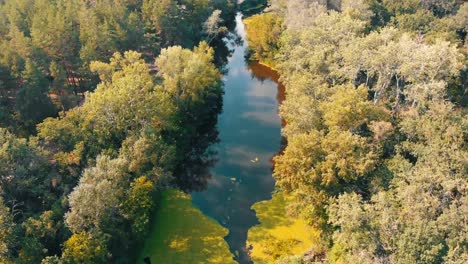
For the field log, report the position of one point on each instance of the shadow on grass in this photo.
(182, 234)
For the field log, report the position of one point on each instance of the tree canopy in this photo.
(375, 123)
(77, 185)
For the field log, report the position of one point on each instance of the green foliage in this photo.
(252, 6)
(6, 233)
(27, 173)
(418, 220)
(212, 27)
(376, 154)
(86, 248)
(188, 77)
(33, 102)
(98, 194)
(263, 33)
(150, 156)
(348, 109)
(320, 166)
(61, 38)
(31, 251)
(162, 117)
(101, 123)
(135, 123)
(138, 205)
(44, 228)
(51, 260)
(192, 83)
(179, 22)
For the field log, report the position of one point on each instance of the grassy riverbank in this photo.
(182, 234)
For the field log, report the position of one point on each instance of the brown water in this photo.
(250, 135)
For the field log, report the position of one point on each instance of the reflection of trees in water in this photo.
(194, 168)
(222, 53)
(263, 73)
(224, 49)
(193, 172)
(238, 40)
(196, 158)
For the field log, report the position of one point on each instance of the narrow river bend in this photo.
(250, 135)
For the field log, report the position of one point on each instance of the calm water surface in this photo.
(250, 135)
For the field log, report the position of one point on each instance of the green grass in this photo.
(182, 234)
(278, 234)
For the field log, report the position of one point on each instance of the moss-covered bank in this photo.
(182, 234)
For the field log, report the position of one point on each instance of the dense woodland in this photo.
(48, 46)
(105, 102)
(102, 103)
(376, 125)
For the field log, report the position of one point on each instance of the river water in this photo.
(250, 135)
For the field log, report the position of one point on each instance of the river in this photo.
(250, 135)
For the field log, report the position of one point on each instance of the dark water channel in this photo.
(250, 135)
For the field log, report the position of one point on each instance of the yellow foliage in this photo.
(278, 234)
(263, 33)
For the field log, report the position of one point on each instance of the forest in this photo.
(376, 126)
(105, 104)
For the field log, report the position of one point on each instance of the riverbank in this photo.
(181, 233)
(278, 234)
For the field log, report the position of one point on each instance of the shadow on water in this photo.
(236, 172)
(198, 157)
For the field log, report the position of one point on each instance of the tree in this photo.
(179, 23)
(192, 82)
(212, 26)
(126, 80)
(138, 205)
(32, 251)
(188, 77)
(108, 27)
(161, 19)
(19, 14)
(86, 248)
(6, 233)
(348, 109)
(397, 64)
(382, 186)
(398, 226)
(44, 229)
(357, 240)
(51, 260)
(314, 51)
(101, 123)
(33, 102)
(357, 9)
(151, 156)
(263, 33)
(25, 173)
(317, 166)
(301, 14)
(97, 195)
